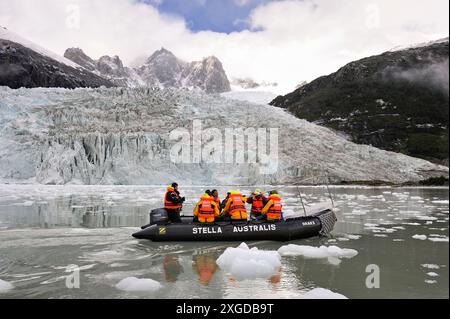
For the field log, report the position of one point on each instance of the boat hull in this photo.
(298, 228)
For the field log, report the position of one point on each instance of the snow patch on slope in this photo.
(11, 36)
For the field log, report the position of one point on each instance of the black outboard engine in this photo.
(158, 216)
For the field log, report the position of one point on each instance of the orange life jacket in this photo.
(274, 212)
(257, 204)
(206, 210)
(168, 204)
(237, 208)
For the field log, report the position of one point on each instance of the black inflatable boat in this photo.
(318, 224)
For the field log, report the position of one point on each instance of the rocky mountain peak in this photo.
(78, 56)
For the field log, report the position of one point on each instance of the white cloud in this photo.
(291, 41)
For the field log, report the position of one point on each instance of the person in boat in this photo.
(206, 210)
(272, 211)
(173, 203)
(235, 207)
(225, 200)
(258, 201)
(215, 195)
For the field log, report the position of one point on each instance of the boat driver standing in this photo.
(173, 203)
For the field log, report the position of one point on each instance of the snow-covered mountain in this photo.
(162, 69)
(122, 136)
(25, 64)
(110, 68)
(165, 70)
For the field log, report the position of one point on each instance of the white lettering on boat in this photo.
(206, 230)
(310, 223)
(243, 229)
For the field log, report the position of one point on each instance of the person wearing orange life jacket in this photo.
(206, 210)
(258, 200)
(173, 203)
(235, 207)
(215, 195)
(272, 211)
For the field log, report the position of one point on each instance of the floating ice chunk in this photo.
(412, 224)
(439, 239)
(360, 212)
(381, 235)
(343, 239)
(370, 225)
(430, 281)
(399, 227)
(316, 252)
(5, 286)
(432, 274)
(430, 266)
(136, 284)
(350, 236)
(244, 263)
(440, 201)
(321, 293)
(420, 217)
(416, 197)
(420, 237)
(398, 239)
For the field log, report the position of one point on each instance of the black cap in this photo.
(174, 185)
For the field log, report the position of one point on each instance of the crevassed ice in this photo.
(121, 136)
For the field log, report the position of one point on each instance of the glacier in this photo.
(121, 136)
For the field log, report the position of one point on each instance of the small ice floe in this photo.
(440, 201)
(399, 227)
(420, 237)
(360, 212)
(380, 235)
(370, 225)
(428, 281)
(136, 284)
(27, 203)
(5, 286)
(245, 263)
(412, 224)
(332, 253)
(432, 274)
(343, 239)
(398, 239)
(430, 266)
(439, 239)
(354, 237)
(428, 218)
(321, 293)
(416, 197)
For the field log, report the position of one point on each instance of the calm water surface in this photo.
(45, 230)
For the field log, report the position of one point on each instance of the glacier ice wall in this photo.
(121, 136)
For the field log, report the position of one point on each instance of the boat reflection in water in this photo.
(205, 266)
(172, 268)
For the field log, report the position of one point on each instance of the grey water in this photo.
(45, 231)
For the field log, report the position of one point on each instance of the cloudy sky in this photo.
(282, 41)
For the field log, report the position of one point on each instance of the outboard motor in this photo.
(157, 217)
